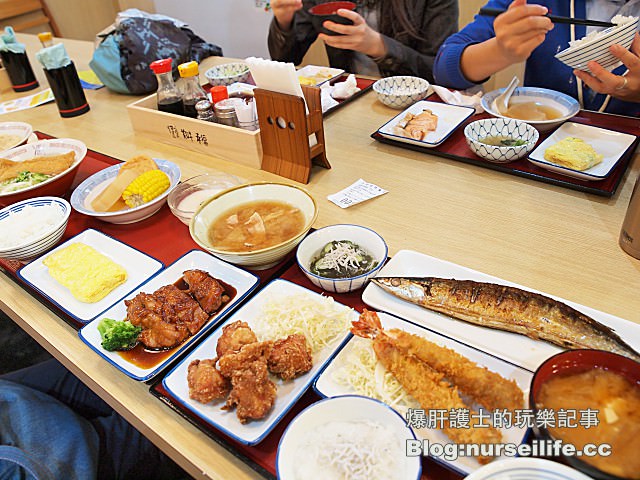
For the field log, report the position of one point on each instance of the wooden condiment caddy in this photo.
(285, 128)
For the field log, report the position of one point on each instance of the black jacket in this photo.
(405, 56)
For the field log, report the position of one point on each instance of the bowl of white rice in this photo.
(595, 45)
(32, 227)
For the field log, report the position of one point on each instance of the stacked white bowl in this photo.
(401, 91)
(24, 220)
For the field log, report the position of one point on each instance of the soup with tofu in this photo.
(617, 402)
(532, 111)
(256, 225)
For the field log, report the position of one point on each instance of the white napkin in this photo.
(466, 98)
(275, 76)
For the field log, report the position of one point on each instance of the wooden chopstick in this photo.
(494, 12)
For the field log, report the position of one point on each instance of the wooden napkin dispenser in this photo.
(285, 129)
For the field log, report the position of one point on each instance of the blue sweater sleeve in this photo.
(446, 70)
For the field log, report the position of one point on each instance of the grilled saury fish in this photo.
(510, 309)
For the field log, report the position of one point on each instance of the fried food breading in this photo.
(253, 394)
(248, 354)
(233, 337)
(48, 165)
(290, 357)
(205, 289)
(468, 376)
(205, 381)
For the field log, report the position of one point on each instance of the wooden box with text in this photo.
(229, 143)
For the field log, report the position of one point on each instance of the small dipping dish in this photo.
(185, 199)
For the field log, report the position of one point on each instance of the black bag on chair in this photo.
(121, 60)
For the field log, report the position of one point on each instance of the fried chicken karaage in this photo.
(233, 337)
(290, 357)
(205, 381)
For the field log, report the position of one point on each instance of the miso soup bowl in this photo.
(225, 201)
(575, 362)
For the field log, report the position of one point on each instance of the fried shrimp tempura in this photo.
(468, 376)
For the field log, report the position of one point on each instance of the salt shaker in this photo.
(205, 111)
(225, 111)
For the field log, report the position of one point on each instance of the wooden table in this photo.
(549, 238)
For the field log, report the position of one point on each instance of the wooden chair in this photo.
(24, 15)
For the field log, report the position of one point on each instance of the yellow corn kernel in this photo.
(145, 188)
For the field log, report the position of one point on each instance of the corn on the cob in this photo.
(145, 188)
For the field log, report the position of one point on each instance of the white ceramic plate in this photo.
(19, 129)
(251, 432)
(139, 266)
(327, 386)
(526, 468)
(346, 410)
(243, 281)
(512, 347)
(450, 117)
(319, 74)
(611, 144)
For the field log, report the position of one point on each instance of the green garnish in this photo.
(342, 259)
(118, 335)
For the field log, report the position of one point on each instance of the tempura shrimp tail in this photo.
(368, 325)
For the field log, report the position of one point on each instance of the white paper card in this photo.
(356, 193)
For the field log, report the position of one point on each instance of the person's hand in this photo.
(520, 30)
(284, 10)
(602, 81)
(359, 36)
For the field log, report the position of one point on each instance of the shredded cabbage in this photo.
(320, 319)
(362, 372)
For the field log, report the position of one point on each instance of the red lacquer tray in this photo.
(262, 457)
(162, 235)
(456, 148)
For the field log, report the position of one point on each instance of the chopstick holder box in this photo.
(19, 69)
(67, 90)
(233, 144)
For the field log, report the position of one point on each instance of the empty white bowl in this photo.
(338, 415)
(224, 201)
(567, 106)
(364, 237)
(596, 47)
(40, 240)
(476, 131)
(228, 73)
(401, 91)
(88, 190)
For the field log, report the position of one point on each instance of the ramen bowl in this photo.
(328, 11)
(573, 362)
(228, 73)
(595, 47)
(55, 186)
(477, 132)
(561, 104)
(365, 238)
(231, 200)
(401, 91)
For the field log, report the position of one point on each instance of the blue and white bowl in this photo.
(41, 241)
(400, 92)
(228, 73)
(563, 103)
(88, 190)
(476, 131)
(597, 48)
(364, 237)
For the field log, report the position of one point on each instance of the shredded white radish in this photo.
(355, 450)
(366, 376)
(320, 319)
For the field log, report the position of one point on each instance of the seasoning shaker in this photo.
(205, 111)
(225, 111)
(219, 92)
(630, 232)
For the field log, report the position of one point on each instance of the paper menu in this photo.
(278, 77)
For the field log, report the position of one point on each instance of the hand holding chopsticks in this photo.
(494, 12)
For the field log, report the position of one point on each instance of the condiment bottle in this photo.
(192, 92)
(225, 111)
(169, 97)
(219, 92)
(205, 111)
(46, 39)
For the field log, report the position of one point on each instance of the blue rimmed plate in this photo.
(450, 117)
(252, 432)
(612, 145)
(526, 468)
(243, 282)
(327, 384)
(139, 267)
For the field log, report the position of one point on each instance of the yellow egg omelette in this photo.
(88, 274)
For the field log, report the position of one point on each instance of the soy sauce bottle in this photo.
(169, 96)
(192, 92)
